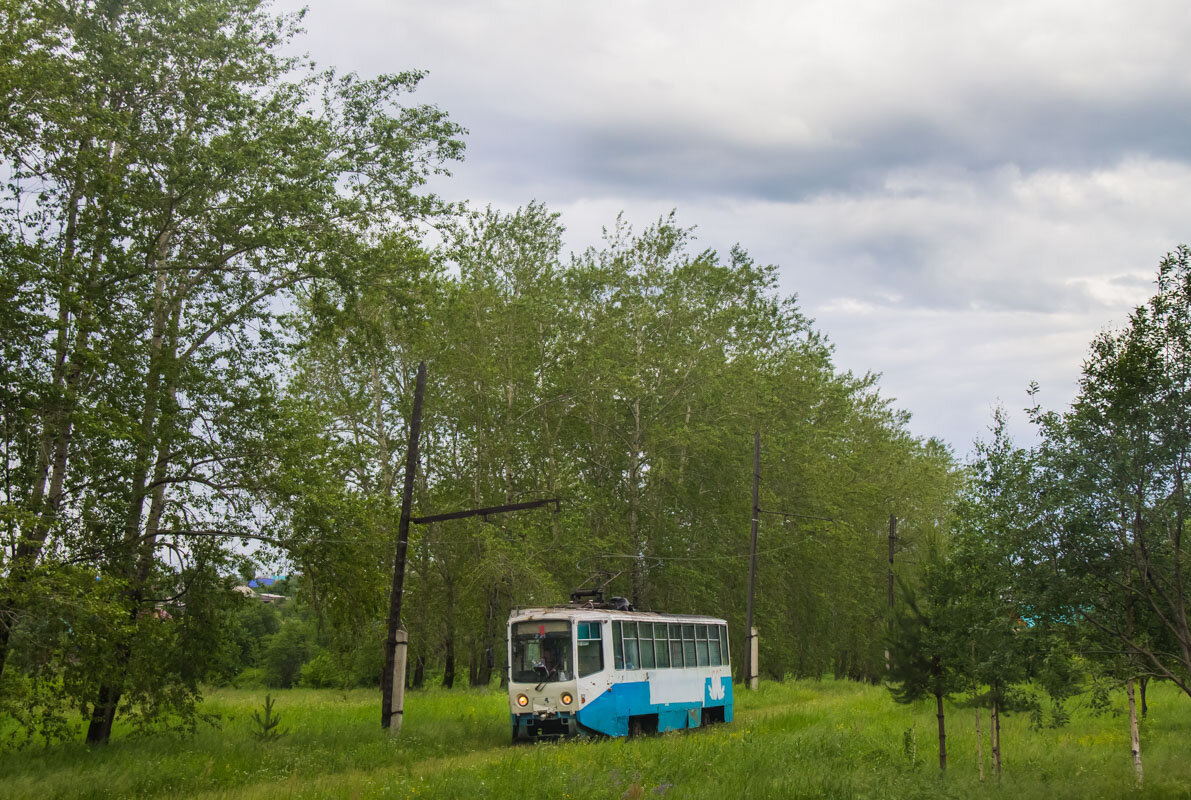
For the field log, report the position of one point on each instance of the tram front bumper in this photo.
(545, 725)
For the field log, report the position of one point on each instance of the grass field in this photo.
(798, 739)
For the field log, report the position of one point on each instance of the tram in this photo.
(602, 668)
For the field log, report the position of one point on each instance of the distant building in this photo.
(271, 599)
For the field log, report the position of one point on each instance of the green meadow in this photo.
(797, 739)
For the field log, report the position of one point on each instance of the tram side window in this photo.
(688, 645)
(661, 648)
(645, 637)
(713, 644)
(591, 648)
(617, 646)
(631, 660)
(701, 645)
(724, 644)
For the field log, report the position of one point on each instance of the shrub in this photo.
(286, 652)
(251, 678)
(321, 672)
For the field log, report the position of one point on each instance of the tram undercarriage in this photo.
(546, 725)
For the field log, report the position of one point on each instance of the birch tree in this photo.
(178, 183)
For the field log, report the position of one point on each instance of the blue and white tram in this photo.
(581, 669)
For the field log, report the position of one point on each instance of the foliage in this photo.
(321, 672)
(1111, 552)
(253, 624)
(265, 726)
(1074, 548)
(919, 658)
(286, 652)
(627, 382)
(171, 178)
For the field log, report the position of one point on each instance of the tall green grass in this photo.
(796, 739)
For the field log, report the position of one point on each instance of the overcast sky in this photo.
(960, 194)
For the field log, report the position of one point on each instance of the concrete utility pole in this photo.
(393, 678)
(750, 659)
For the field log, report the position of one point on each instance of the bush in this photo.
(367, 663)
(286, 652)
(254, 623)
(251, 678)
(321, 672)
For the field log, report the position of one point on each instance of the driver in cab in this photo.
(549, 668)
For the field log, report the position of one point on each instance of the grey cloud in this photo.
(660, 158)
(904, 272)
(1136, 283)
(986, 185)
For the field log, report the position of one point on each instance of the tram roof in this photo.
(588, 612)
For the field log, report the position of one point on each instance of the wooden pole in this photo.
(750, 661)
(388, 709)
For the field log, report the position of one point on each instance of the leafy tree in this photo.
(172, 177)
(287, 652)
(921, 650)
(1109, 552)
(252, 624)
(639, 358)
(1118, 510)
(991, 610)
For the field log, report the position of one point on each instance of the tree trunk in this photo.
(382, 435)
(1134, 733)
(1145, 709)
(151, 407)
(448, 672)
(52, 459)
(1179, 607)
(159, 391)
(99, 731)
(419, 675)
(482, 674)
(937, 667)
(942, 733)
(979, 735)
(103, 714)
(473, 663)
(637, 572)
(8, 618)
(994, 737)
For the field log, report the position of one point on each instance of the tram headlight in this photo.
(566, 698)
(522, 700)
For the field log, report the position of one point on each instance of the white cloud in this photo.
(961, 194)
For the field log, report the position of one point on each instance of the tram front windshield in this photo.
(542, 652)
